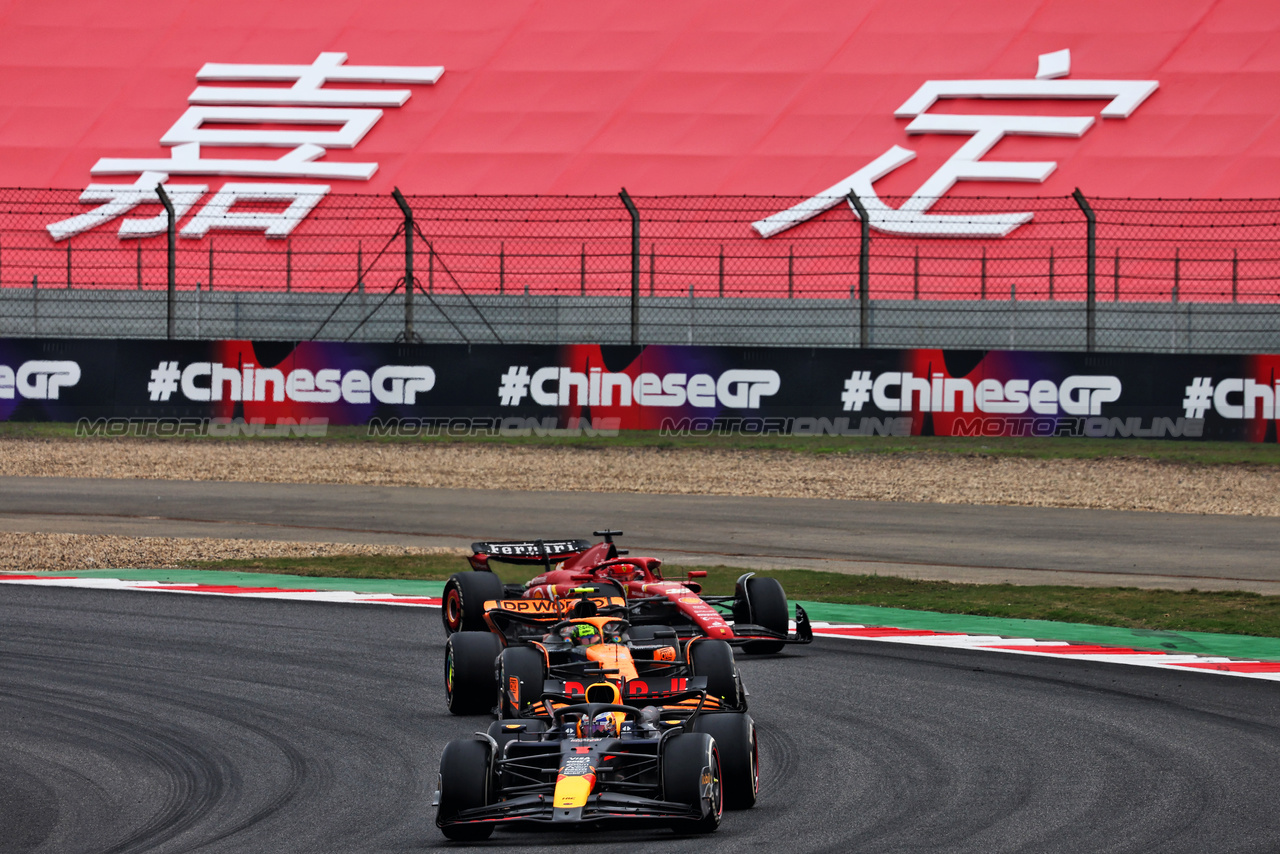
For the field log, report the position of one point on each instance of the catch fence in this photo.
(1078, 274)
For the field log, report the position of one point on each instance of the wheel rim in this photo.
(717, 791)
(448, 673)
(755, 763)
(453, 610)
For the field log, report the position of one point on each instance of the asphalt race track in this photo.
(132, 722)
(956, 542)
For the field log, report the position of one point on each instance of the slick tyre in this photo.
(735, 736)
(521, 672)
(767, 605)
(464, 785)
(714, 660)
(652, 640)
(685, 760)
(462, 605)
(470, 683)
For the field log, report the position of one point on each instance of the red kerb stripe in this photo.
(1236, 666)
(1079, 649)
(875, 632)
(6, 576)
(226, 588)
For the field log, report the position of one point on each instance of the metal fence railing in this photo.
(1071, 273)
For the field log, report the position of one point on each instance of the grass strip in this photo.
(1237, 613)
(1172, 451)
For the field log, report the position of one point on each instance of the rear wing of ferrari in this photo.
(525, 552)
(529, 551)
(542, 551)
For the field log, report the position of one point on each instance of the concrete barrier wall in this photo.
(452, 318)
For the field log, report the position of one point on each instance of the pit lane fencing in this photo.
(1072, 273)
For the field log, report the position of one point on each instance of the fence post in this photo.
(1115, 295)
(1235, 275)
(915, 275)
(409, 334)
(1091, 269)
(652, 260)
(1050, 273)
(864, 272)
(791, 272)
(360, 266)
(173, 260)
(983, 284)
(1177, 271)
(635, 266)
(721, 269)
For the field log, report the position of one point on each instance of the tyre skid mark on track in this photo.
(1187, 663)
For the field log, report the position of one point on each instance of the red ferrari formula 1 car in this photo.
(755, 617)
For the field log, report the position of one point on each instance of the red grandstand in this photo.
(977, 119)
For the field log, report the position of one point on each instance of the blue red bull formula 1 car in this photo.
(598, 764)
(755, 618)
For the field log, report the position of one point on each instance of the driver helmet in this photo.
(622, 571)
(586, 634)
(602, 725)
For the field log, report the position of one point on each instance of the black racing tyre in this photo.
(714, 660)
(767, 605)
(649, 633)
(462, 605)
(685, 757)
(527, 667)
(609, 587)
(735, 735)
(470, 683)
(464, 785)
(497, 730)
(663, 649)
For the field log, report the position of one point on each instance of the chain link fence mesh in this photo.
(1167, 275)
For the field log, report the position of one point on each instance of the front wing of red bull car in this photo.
(597, 764)
(756, 617)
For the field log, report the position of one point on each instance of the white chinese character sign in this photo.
(966, 164)
(305, 119)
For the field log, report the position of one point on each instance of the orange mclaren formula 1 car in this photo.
(563, 645)
(755, 617)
